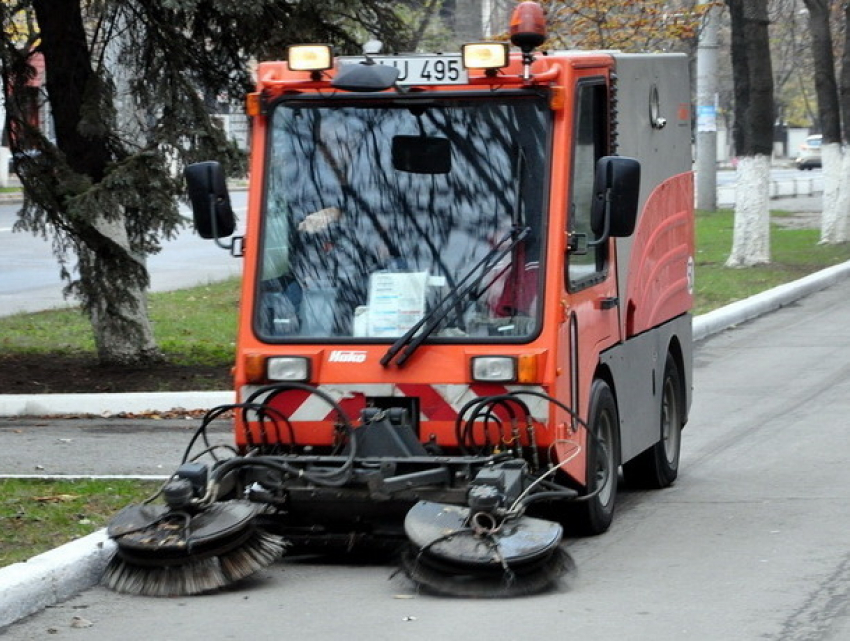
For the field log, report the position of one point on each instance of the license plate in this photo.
(443, 69)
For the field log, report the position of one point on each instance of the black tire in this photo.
(595, 514)
(658, 466)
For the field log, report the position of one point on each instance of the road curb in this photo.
(109, 404)
(54, 576)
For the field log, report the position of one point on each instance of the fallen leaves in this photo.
(56, 498)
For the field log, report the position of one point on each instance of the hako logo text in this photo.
(346, 356)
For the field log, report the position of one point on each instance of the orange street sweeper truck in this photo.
(465, 307)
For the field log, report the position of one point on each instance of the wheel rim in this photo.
(604, 476)
(670, 421)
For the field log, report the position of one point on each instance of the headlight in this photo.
(524, 369)
(494, 369)
(288, 368)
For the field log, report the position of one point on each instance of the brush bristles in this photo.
(190, 578)
(469, 582)
(259, 552)
(195, 576)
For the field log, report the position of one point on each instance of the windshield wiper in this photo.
(410, 341)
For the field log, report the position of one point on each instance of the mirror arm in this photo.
(606, 230)
(214, 214)
(575, 242)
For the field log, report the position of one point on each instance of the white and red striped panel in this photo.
(436, 402)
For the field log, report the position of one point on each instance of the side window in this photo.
(586, 264)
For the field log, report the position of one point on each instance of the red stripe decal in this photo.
(289, 401)
(351, 405)
(431, 404)
(492, 389)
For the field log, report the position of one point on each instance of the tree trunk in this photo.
(829, 116)
(122, 330)
(112, 278)
(753, 131)
(467, 22)
(841, 232)
(834, 192)
(751, 233)
(71, 85)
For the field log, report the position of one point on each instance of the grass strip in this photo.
(795, 253)
(36, 516)
(194, 326)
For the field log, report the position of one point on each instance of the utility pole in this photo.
(494, 16)
(707, 113)
(467, 20)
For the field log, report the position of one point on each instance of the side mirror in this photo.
(615, 198)
(210, 201)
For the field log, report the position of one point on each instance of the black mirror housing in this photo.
(615, 197)
(422, 154)
(365, 77)
(211, 209)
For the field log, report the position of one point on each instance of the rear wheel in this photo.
(658, 466)
(595, 513)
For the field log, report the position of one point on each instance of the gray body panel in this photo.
(637, 366)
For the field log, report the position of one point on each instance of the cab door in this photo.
(591, 318)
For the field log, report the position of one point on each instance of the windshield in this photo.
(376, 212)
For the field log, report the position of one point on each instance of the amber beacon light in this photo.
(528, 31)
(528, 26)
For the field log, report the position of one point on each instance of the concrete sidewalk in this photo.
(52, 577)
(109, 404)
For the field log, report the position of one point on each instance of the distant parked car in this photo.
(809, 156)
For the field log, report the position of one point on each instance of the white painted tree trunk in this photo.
(836, 194)
(122, 330)
(843, 228)
(751, 235)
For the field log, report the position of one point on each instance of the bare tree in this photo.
(629, 25)
(752, 131)
(792, 61)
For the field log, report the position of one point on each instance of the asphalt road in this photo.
(31, 280)
(101, 446)
(750, 543)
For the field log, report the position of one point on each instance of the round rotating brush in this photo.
(496, 580)
(165, 552)
(455, 552)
